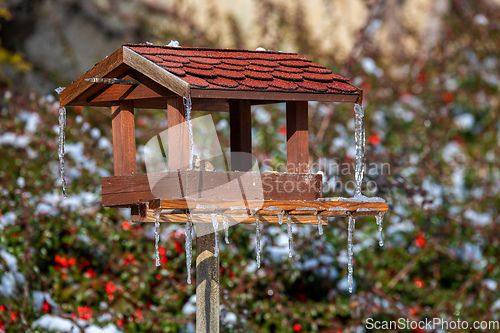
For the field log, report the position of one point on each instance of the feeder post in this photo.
(240, 132)
(123, 126)
(297, 135)
(178, 135)
(207, 280)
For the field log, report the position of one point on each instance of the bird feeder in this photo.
(225, 80)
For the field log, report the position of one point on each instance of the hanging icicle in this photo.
(62, 142)
(187, 108)
(225, 223)
(215, 224)
(359, 136)
(257, 235)
(157, 236)
(379, 218)
(189, 245)
(350, 252)
(320, 225)
(290, 235)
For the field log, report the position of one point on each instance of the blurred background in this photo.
(429, 70)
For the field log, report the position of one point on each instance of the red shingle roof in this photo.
(223, 69)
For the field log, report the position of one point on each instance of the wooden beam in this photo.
(297, 133)
(146, 89)
(272, 95)
(199, 104)
(324, 207)
(240, 129)
(155, 72)
(178, 136)
(133, 189)
(123, 127)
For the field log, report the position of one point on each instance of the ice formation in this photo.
(157, 236)
(359, 135)
(189, 245)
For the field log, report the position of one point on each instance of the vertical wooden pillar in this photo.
(124, 156)
(178, 135)
(207, 280)
(297, 134)
(240, 124)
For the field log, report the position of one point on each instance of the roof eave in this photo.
(273, 95)
(101, 69)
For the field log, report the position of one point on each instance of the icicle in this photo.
(379, 217)
(359, 135)
(225, 223)
(257, 234)
(280, 214)
(189, 245)
(215, 223)
(320, 225)
(350, 230)
(157, 236)
(290, 235)
(62, 142)
(187, 108)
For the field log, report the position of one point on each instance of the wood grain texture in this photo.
(101, 69)
(133, 189)
(240, 129)
(297, 133)
(178, 135)
(271, 95)
(207, 281)
(297, 216)
(288, 205)
(123, 125)
(156, 73)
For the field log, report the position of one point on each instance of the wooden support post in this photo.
(240, 127)
(178, 135)
(123, 126)
(207, 280)
(297, 134)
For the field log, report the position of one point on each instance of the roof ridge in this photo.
(207, 48)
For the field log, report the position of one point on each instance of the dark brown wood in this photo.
(297, 146)
(178, 135)
(240, 129)
(215, 105)
(129, 190)
(156, 73)
(147, 89)
(124, 139)
(271, 95)
(99, 70)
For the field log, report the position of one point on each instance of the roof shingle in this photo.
(206, 68)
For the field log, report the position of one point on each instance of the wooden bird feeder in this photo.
(225, 80)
